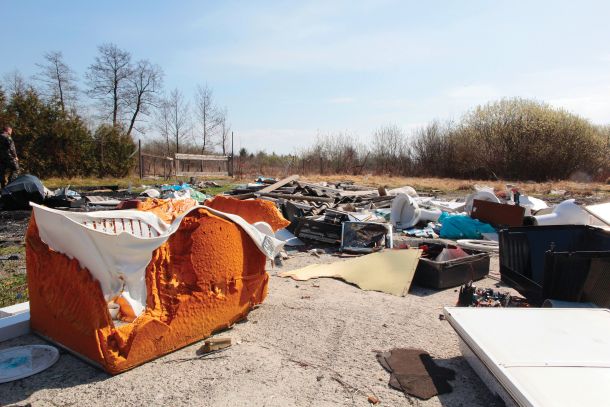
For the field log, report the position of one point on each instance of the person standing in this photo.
(9, 162)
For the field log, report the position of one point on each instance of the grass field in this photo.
(13, 286)
(442, 185)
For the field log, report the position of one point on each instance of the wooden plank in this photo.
(241, 196)
(280, 183)
(342, 192)
(296, 197)
(157, 156)
(359, 193)
(198, 157)
(199, 173)
(321, 188)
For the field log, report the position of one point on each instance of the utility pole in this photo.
(232, 156)
(140, 158)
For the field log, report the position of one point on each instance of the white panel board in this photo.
(541, 356)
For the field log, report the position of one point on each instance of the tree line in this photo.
(67, 125)
(511, 139)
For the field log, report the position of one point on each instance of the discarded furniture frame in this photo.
(125, 287)
(154, 165)
(205, 164)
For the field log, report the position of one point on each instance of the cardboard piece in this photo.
(390, 271)
(497, 213)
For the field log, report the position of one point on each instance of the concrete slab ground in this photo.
(310, 343)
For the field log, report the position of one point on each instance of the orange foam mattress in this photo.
(205, 277)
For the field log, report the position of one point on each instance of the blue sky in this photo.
(289, 70)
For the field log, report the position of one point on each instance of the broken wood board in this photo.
(497, 213)
(214, 344)
(295, 197)
(389, 271)
(280, 183)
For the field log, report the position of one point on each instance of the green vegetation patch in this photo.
(13, 290)
(219, 190)
(8, 250)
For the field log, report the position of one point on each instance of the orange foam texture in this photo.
(166, 209)
(252, 210)
(208, 275)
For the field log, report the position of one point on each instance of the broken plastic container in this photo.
(566, 213)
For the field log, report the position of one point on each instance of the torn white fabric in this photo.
(116, 246)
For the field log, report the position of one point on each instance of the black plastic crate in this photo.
(452, 273)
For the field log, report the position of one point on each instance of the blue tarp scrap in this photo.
(462, 227)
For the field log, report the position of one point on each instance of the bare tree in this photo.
(15, 83)
(163, 123)
(389, 148)
(225, 129)
(108, 79)
(178, 117)
(144, 84)
(59, 80)
(207, 115)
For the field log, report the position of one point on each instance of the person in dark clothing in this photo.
(9, 163)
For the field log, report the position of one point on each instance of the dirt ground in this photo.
(310, 343)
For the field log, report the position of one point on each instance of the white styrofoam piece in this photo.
(16, 308)
(14, 326)
(541, 356)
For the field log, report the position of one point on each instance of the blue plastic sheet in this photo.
(462, 227)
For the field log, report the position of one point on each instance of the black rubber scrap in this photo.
(414, 372)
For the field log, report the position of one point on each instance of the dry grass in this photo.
(442, 185)
(134, 181)
(447, 185)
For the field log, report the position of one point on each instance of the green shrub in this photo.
(514, 139)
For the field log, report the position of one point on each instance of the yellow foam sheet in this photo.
(389, 271)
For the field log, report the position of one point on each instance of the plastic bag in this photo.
(462, 227)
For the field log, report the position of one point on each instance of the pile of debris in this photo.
(559, 253)
(455, 237)
(27, 188)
